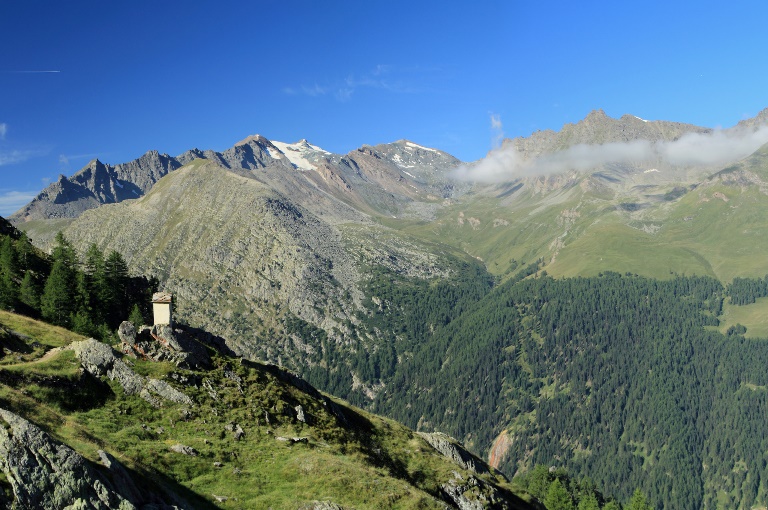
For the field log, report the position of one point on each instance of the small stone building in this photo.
(162, 308)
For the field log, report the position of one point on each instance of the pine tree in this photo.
(57, 303)
(29, 293)
(557, 497)
(136, 317)
(612, 505)
(114, 297)
(638, 501)
(588, 502)
(81, 323)
(94, 284)
(8, 268)
(538, 481)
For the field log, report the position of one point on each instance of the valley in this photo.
(576, 314)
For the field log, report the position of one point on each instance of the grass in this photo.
(42, 333)
(362, 461)
(753, 316)
(714, 229)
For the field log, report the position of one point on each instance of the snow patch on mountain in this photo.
(399, 162)
(300, 154)
(417, 146)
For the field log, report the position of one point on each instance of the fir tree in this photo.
(588, 502)
(29, 293)
(136, 317)
(638, 502)
(114, 297)
(557, 497)
(57, 303)
(8, 269)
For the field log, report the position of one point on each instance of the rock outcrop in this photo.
(455, 451)
(99, 360)
(44, 473)
(163, 343)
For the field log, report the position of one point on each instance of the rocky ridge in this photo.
(598, 128)
(338, 185)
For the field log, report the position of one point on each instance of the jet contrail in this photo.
(30, 72)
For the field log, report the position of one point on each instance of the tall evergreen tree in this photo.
(136, 317)
(58, 303)
(557, 497)
(8, 270)
(29, 292)
(638, 502)
(94, 284)
(588, 502)
(114, 291)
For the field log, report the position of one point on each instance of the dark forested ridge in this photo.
(614, 377)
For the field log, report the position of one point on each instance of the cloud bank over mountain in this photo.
(692, 149)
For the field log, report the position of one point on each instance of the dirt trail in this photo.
(48, 355)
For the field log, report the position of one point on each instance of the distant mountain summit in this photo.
(598, 128)
(373, 179)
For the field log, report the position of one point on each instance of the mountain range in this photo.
(350, 269)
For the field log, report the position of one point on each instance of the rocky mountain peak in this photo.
(759, 120)
(596, 116)
(257, 139)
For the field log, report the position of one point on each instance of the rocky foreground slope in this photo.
(85, 426)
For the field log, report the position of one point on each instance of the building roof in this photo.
(162, 297)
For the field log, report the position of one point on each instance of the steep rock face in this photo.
(44, 473)
(99, 359)
(97, 184)
(452, 449)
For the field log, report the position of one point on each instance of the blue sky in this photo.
(80, 80)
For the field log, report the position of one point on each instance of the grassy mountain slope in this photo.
(342, 454)
(713, 227)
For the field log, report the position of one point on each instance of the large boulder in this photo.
(44, 473)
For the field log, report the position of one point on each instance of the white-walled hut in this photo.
(162, 308)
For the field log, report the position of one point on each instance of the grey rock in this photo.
(475, 494)
(236, 430)
(163, 343)
(46, 474)
(99, 360)
(184, 450)
(300, 414)
(127, 332)
(455, 451)
(168, 392)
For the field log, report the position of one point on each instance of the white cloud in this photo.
(498, 130)
(3, 130)
(382, 77)
(9, 157)
(693, 149)
(12, 201)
